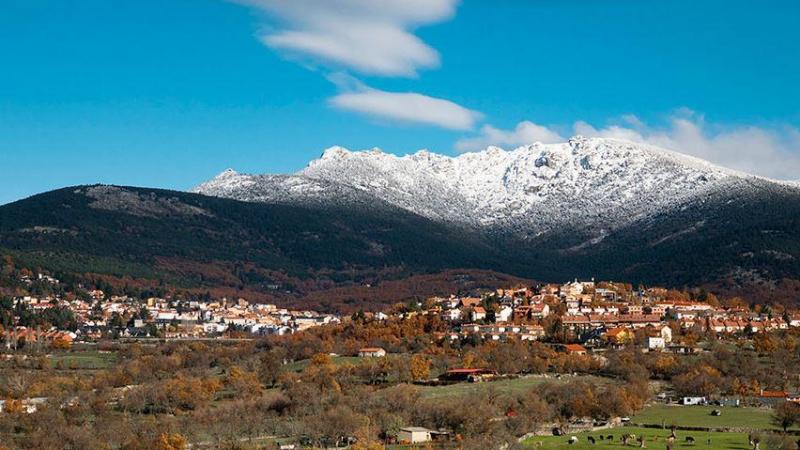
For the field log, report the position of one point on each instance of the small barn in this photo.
(413, 435)
(371, 352)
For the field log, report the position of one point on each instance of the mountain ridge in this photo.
(547, 212)
(535, 189)
(587, 207)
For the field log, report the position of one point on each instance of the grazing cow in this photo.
(591, 440)
(610, 437)
(689, 440)
(573, 440)
(602, 437)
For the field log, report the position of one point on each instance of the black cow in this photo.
(591, 439)
(689, 440)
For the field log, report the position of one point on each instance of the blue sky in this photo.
(167, 94)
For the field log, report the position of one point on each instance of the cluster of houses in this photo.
(512, 305)
(131, 317)
(16, 337)
(589, 313)
(595, 315)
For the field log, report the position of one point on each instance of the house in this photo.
(478, 313)
(575, 349)
(715, 325)
(693, 401)
(413, 435)
(655, 343)
(634, 309)
(504, 314)
(531, 332)
(539, 310)
(772, 397)
(606, 294)
(371, 352)
(640, 320)
(470, 302)
(662, 331)
(451, 314)
(577, 323)
(619, 336)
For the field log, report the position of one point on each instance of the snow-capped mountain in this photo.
(586, 183)
(588, 207)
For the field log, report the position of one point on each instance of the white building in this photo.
(451, 314)
(504, 314)
(655, 343)
(693, 401)
(413, 435)
(478, 313)
(372, 352)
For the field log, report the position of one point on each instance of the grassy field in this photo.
(700, 416)
(298, 366)
(513, 385)
(654, 439)
(83, 360)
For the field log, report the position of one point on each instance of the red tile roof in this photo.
(574, 348)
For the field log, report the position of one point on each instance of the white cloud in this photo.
(525, 132)
(370, 37)
(367, 36)
(407, 107)
(767, 151)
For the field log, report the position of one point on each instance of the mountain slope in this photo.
(197, 241)
(744, 235)
(352, 220)
(588, 207)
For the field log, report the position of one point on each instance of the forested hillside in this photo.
(745, 243)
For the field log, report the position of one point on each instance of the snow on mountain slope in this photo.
(587, 183)
(282, 189)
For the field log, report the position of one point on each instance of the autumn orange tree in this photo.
(420, 367)
(243, 382)
(60, 343)
(13, 406)
(765, 343)
(322, 373)
(173, 441)
(702, 379)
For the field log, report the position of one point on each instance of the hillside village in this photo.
(601, 315)
(577, 316)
